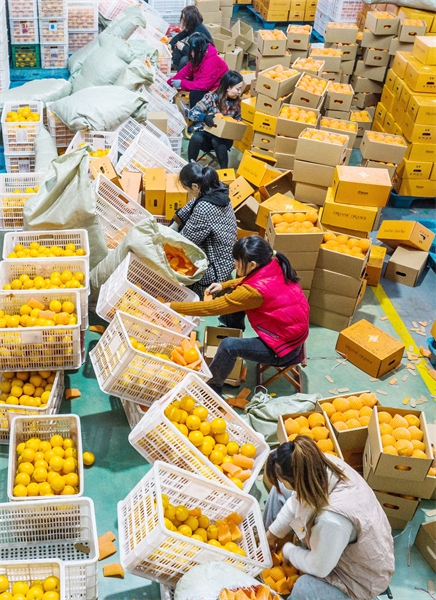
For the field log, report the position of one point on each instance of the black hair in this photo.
(197, 48)
(254, 248)
(191, 18)
(228, 80)
(205, 177)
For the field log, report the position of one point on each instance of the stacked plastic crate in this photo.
(344, 11)
(170, 9)
(21, 122)
(82, 23)
(53, 33)
(24, 35)
(4, 58)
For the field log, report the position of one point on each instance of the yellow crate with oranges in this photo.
(313, 424)
(400, 444)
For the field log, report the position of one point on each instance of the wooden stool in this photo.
(290, 372)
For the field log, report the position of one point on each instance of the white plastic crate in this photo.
(38, 348)
(22, 9)
(162, 88)
(176, 122)
(44, 427)
(11, 202)
(320, 22)
(19, 136)
(19, 164)
(153, 38)
(134, 412)
(82, 15)
(170, 9)
(54, 56)
(34, 570)
(37, 530)
(133, 375)
(148, 549)
(109, 9)
(60, 133)
(129, 130)
(115, 225)
(156, 438)
(176, 142)
(154, 18)
(134, 288)
(99, 140)
(166, 593)
(341, 10)
(79, 39)
(12, 269)
(60, 238)
(146, 152)
(24, 31)
(52, 9)
(52, 408)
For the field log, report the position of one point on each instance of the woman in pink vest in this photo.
(348, 550)
(268, 292)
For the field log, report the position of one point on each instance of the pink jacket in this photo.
(282, 322)
(204, 77)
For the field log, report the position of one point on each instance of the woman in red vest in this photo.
(268, 292)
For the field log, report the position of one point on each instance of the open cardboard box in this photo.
(370, 349)
(306, 172)
(292, 242)
(291, 128)
(298, 41)
(338, 100)
(276, 203)
(406, 266)
(332, 64)
(334, 33)
(281, 184)
(363, 84)
(269, 106)
(345, 264)
(330, 281)
(320, 69)
(242, 34)
(213, 336)
(307, 99)
(264, 141)
(227, 128)
(246, 214)
(351, 134)
(271, 47)
(382, 151)
(267, 62)
(275, 89)
(374, 73)
(257, 172)
(317, 151)
(400, 510)
(308, 193)
(382, 26)
(375, 57)
(239, 190)
(370, 40)
(349, 50)
(302, 261)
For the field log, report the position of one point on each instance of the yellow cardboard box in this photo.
(400, 63)
(277, 203)
(256, 171)
(358, 218)
(414, 169)
(374, 266)
(361, 185)
(155, 190)
(418, 132)
(422, 109)
(248, 108)
(421, 152)
(419, 77)
(424, 49)
(176, 195)
(265, 123)
(415, 187)
(406, 233)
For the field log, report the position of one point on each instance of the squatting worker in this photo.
(348, 550)
(268, 292)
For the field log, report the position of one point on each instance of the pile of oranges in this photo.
(23, 115)
(400, 435)
(36, 314)
(313, 426)
(350, 413)
(314, 85)
(382, 14)
(339, 88)
(299, 29)
(296, 113)
(308, 64)
(338, 124)
(27, 388)
(56, 280)
(385, 138)
(325, 52)
(341, 25)
(279, 73)
(296, 222)
(274, 34)
(37, 589)
(282, 575)
(320, 135)
(412, 22)
(35, 250)
(346, 245)
(211, 438)
(360, 116)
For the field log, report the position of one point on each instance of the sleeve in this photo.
(228, 285)
(178, 38)
(205, 77)
(328, 540)
(282, 524)
(184, 75)
(243, 298)
(184, 212)
(201, 109)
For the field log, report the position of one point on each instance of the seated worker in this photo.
(268, 292)
(347, 547)
(226, 100)
(203, 71)
(191, 21)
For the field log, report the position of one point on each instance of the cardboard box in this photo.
(347, 67)
(271, 47)
(269, 106)
(364, 99)
(415, 187)
(406, 233)
(398, 508)
(246, 214)
(302, 261)
(360, 185)
(264, 141)
(349, 51)
(370, 349)
(424, 48)
(274, 15)
(265, 123)
(400, 63)
(239, 190)
(132, 184)
(307, 99)
(283, 436)
(391, 78)
(292, 129)
(292, 242)
(320, 67)
(397, 46)
(374, 265)
(256, 171)
(309, 193)
(275, 89)
(335, 77)
(276, 203)
(382, 151)
(330, 281)
(266, 62)
(159, 120)
(347, 216)
(227, 128)
(338, 101)
(155, 190)
(419, 77)
(306, 172)
(297, 41)
(369, 40)
(248, 109)
(333, 302)
(375, 73)
(348, 265)
(208, 6)
(382, 26)
(422, 152)
(422, 109)
(316, 151)
(226, 175)
(243, 34)
(351, 134)
(286, 145)
(248, 78)
(234, 58)
(418, 132)
(176, 195)
(306, 278)
(327, 319)
(406, 266)
(213, 336)
(104, 167)
(398, 467)
(387, 99)
(414, 169)
(281, 184)
(410, 33)
(346, 35)
(213, 18)
(425, 541)
(403, 93)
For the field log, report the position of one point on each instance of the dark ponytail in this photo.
(205, 177)
(254, 248)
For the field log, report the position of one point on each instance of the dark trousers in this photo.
(178, 59)
(202, 140)
(195, 96)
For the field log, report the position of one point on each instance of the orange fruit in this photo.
(320, 433)
(398, 421)
(353, 424)
(364, 421)
(388, 440)
(340, 426)
(216, 457)
(328, 408)
(385, 428)
(384, 417)
(337, 416)
(218, 425)
(325, 445)
(415, 433)
(351, 414)
(402, 433)
(412, 420)
(302, 421)
(191, 355)
(341, 404)
(196, 438)
(307, 432)
(419, 454)
(292, 426)
(432, 472)
(368, 399)
(193, 422)
(404, 447)
(417, 444)
(248, 450)
(355, 402)
(315, 420)
(390, 450)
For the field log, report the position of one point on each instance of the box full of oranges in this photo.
(341, 32)
(340, 126)
(317, 146)
(309, 91)
(339, 96)
(293, 231)
(277, 81)
(382, 22)
(309, 65)
(294, 119)
(313, 424)
(298, 37)
(332, 58)
(383, 146)
(271, 42)
(400, 444)
(343, 254)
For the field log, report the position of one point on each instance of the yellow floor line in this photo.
(403, 334)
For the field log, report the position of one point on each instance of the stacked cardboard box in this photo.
(298, 40)
(271, 49)
(411, 242)
(382, 150)
(211, 11)
(343, 36)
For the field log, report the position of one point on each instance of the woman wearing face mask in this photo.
(348, 548)
(203, 71)
(191, 20)
(268, 292)
(226, 101)
(208, 221)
